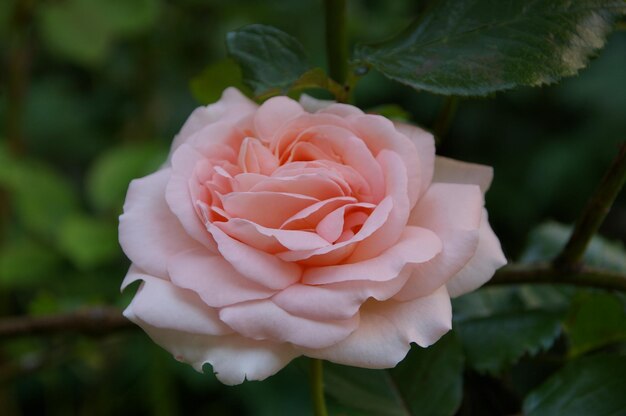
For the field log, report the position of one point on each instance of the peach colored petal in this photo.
(416, 245)
(149, 233)
(214, 279)
(425, 143)
(264, 320)
(453, 212)
(255, 206)
(271, 240)
(256, 158)
(160, 304)
(341, 110)
(309, 217)
(389, 232)
(487, 259)
(312, 105)
(454, 171)
(386, 330)
(231, 106)
(263, 268)
(320, 186)
(274, 114)
(336, 300)
(379, 133)
(286, 135)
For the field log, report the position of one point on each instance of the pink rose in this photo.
(273, 232)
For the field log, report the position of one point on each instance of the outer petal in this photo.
(273, 114)
(453, 171)
(453, 212)
(213, 279)
(233, 105)
(264, 320)
(387, 328)
(487, 259)
(313, 105)
(425, 143)
(149, 233)
(160, 304)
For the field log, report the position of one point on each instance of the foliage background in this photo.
(107, 84)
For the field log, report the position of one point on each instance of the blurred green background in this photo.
(91, 94)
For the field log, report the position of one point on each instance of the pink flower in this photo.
(273, 232)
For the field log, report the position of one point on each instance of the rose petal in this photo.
(160, 304)
(149, 233)
(233, 105)
(454, 171)
(386, 330)
(256, 158)
(487, 259)
(263, 268)
(274, 114)
(264, 320)
(425, 143)
(312, 105)
(336, 300)
(416, 245)
(213, 279)
(309, 217)
(453, 212)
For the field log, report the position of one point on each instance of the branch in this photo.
(594, 214)
(546, 274)
(95, 321)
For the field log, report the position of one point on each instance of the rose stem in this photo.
(445, 117)
(594, 214)
(336, 39)
(317, 387)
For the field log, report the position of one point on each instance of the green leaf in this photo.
(547, 240)
(595, 320)
(476, 47)
(25, 263)
(207, 87)
(427, 382)
(108, 179)
(88, 242)
(592, 386)
(271, 60)
(494, 342)
(392, 111)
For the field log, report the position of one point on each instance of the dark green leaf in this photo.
(476, 47)
(494, 342)
(207, 87)
(271, 60)
(547, 240)
(427, 382)
(109, 177)
(596, 320)
(592, 386)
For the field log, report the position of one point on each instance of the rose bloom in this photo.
(308, 228)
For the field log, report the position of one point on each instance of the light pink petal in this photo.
(273, 114)
(149, 233)
(389, 232)
(309, 217)
(269, 209)
(160, 304)
(254, 157)
(234, 358)
(315, 185)
(285, 137)
(271, 240)
(416, 245)
(453, 212)
(386, 330)
(233, 105)
(337, 252)
(336, 300)
(341, 110)
(379, 133)
(454, 171)
(313, 105)
(264, 320)
(213, 279)
(225, 134)
(263, 268)
(487, 259)
(425, 143)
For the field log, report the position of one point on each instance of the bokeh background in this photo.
(91, 94)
